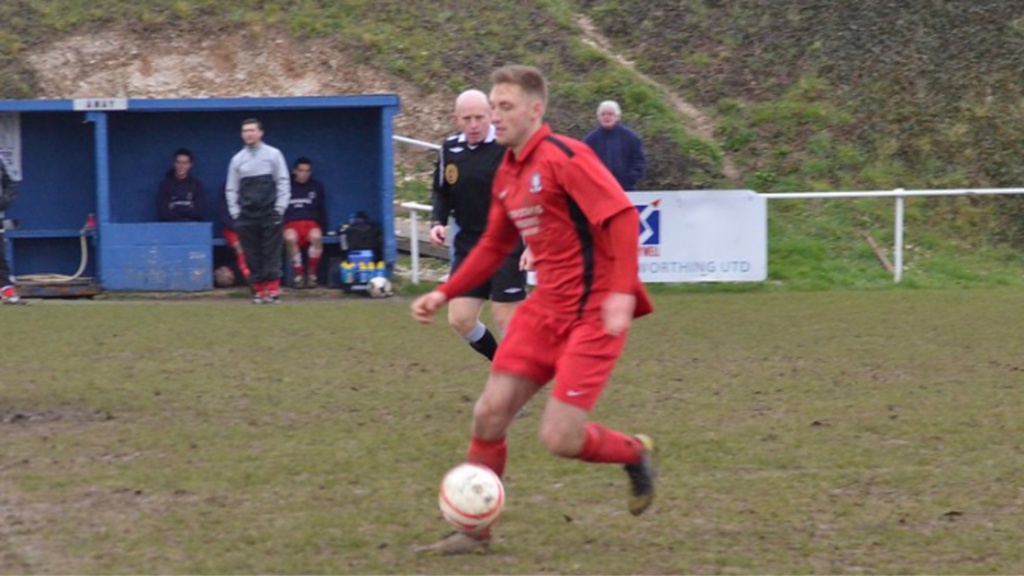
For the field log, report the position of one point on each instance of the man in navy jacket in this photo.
(619, 147)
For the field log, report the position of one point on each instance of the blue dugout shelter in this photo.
(106, 157)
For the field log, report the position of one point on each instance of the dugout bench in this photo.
(106, 157)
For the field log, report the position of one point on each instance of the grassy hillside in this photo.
(931, 87)
(803, 96)
(851, 94)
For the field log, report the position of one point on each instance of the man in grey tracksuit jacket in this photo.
(257, 193)
(8, 192)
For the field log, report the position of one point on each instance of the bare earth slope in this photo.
(176, 65)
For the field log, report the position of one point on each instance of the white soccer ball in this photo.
(379, 287)
(471, 497)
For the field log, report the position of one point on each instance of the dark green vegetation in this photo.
(848, 94)
(845, 93)
(830, 432)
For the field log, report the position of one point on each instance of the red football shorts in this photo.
(577, 353)
(302, 228)
(230, 238)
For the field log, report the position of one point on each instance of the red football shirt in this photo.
(557, 195)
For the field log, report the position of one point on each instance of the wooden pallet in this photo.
(426, 248)
(79, 288)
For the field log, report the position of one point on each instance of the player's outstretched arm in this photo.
(424, 307)
(499, 239)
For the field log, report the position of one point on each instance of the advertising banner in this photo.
(702, 236)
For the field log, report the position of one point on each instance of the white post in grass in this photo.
(414, 245)
(414, 209)
(897, 273)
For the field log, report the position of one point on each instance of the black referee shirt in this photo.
(462, 185)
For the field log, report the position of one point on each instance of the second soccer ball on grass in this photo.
(379, 287)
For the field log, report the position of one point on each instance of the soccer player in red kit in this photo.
(555, 193)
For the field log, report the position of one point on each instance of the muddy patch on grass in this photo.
(44, 416)
(20, 551)
(28, 543)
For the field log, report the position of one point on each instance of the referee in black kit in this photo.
(462, 188)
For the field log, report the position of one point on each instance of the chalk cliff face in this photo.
(177, 65)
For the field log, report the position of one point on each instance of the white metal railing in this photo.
(414, 209)
(900, 194)
(416, 142)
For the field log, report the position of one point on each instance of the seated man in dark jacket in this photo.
(304, 222)
(181, 196)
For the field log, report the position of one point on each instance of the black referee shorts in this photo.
(507, 285)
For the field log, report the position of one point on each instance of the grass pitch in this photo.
(834, 432)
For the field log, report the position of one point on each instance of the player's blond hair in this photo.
(528, 78)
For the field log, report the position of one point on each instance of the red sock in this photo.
(242, 266)
(314, 265)
(273, 287)
(609, 446)
(490, 453)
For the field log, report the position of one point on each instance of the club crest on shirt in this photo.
(535, 183)
(451, 173)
